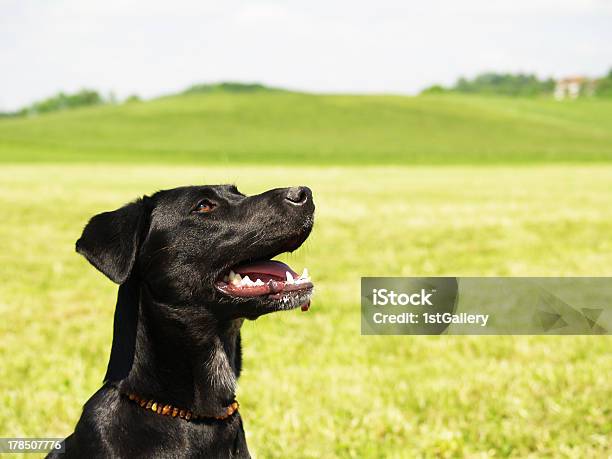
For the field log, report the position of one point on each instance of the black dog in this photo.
(193, 263)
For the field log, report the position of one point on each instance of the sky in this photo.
(152, 47)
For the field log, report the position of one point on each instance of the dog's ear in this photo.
(110, 241)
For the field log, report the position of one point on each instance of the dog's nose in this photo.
(298, 195)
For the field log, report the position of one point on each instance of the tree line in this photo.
(507, 84)
(517, 85)
(90, 97)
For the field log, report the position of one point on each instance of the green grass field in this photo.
(312, 386)
(290, 128)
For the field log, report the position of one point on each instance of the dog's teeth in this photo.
(289, 278)
(237, 279)
(246, 281)
(258, 282)
(304, 278)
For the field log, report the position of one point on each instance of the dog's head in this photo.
(207, 246)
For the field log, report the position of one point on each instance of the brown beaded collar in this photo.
(169, 410)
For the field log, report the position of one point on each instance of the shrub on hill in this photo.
(603, 86)
(507, 84)
(227, 86)
(62, 101)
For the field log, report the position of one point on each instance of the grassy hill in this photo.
(292, 128)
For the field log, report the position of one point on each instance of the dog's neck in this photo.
(184, 358)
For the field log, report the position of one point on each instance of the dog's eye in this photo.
(204, 206)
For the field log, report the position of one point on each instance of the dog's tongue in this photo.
(270, 267)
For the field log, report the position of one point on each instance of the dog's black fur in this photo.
(176, 337)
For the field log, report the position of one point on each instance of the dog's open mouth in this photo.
(270, 278)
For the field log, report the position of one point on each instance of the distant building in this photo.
(571, 88)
